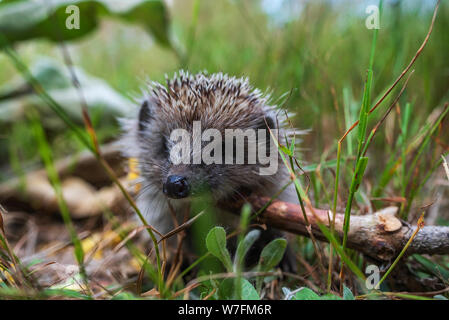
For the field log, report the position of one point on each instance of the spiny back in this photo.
(216, 100)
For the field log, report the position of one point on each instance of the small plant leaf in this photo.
(248, 291)
(432, 267)
(286, 150)
(216, 244)
(245, 245)
(227, 290)
(330, 296)
(272, 254)
(306, 294)
(292, 146)
(347, 293)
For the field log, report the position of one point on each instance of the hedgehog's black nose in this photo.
(176, 187)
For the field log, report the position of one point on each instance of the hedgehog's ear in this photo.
(145, 115)
(270, 121)
(267, 120)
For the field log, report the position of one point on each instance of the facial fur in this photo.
(217, 101)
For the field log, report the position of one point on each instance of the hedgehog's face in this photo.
(188, 154)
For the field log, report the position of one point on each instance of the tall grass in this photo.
(47, 159)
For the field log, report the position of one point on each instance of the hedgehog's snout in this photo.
(176, 187)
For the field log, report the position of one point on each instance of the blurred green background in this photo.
(317, 50)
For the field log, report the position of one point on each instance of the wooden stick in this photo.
(380, 236)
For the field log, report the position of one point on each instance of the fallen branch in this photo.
(83, 165)
(380, 236)
(82, 178)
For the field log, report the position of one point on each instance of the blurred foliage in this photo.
(323, 48)
(316, 50)
(16, 96)
(25, 20)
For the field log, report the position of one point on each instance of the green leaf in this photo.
(347, 293)
(432, 267)
(330, 296)
(244, 246)
(67, 293)
(245, 217)
(292, 145)
(248, 291)
(306, 294)
(25, 20)
(358, 175)
(227, 290)
(216, 244)
(272, 254)
(285, 150)
(340, 251)
(126, 296)
(323, 165)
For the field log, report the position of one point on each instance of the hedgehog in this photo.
(218, 102)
